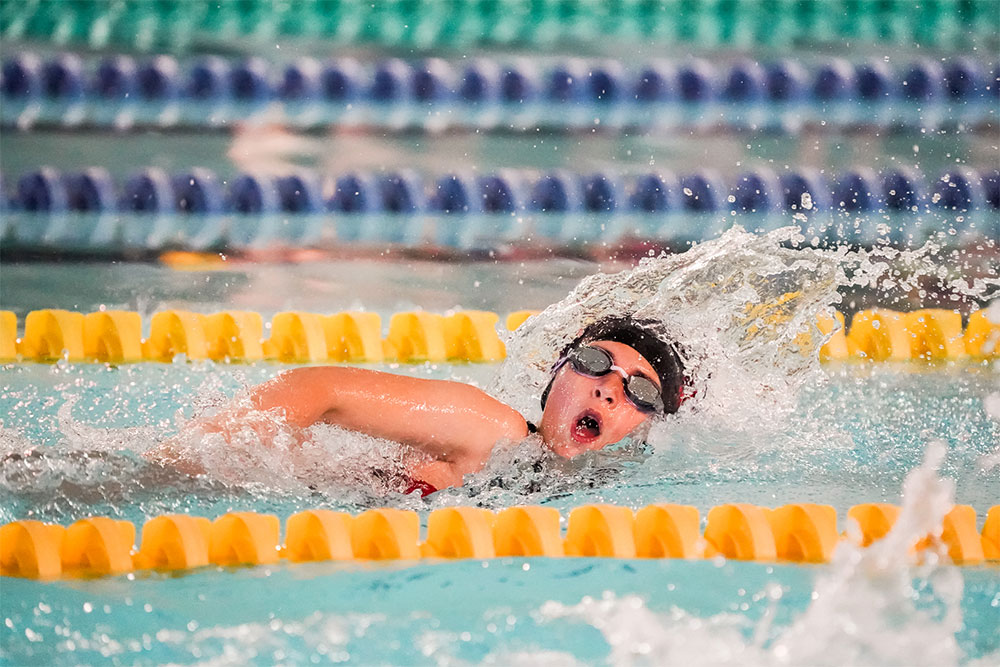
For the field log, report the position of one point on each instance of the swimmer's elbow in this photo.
(303, 395)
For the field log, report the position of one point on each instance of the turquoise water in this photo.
(465, 612)
(73, 434)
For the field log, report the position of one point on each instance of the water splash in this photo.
(743, 309)
(872, 606)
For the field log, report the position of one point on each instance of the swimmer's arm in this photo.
(450, 421)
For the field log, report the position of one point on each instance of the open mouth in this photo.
(587, 427)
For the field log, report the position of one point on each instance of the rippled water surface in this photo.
(770, 426)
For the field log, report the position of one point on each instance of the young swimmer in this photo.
(607, 383)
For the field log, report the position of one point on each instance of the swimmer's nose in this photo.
(605, 395)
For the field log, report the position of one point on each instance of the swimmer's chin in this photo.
(567, 450)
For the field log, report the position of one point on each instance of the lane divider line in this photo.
(795, 533)
(114, 336)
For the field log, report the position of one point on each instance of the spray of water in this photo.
(864, 608)
(743, 308)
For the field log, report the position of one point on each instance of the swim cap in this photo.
(662, 355)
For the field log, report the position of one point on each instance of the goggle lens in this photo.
(594, 361)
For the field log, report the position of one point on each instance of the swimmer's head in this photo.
(608, 382)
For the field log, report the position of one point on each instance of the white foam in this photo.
(863, 610)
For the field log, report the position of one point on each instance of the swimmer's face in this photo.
(584, 413)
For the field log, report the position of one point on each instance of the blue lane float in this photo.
(354, 193)
(453, 193)
(922, 81)
(340, 81)
(655, 193)
(149, 191)
(250, 81)
(42, 191)
(63, 78)
(21, 77)
(785, 81)
(432, 82)
(300, 81)
(159, 79)
(91, 191)
(522, 93)
(206, 79)
(200, 191)
(196, 209)
(757, 192)
(401, 193)
(115, 79)
(903, 190)
(480, 83)
(554, 193)
(703, 192)
(300, 194)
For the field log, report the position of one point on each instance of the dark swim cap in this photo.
(662, 355)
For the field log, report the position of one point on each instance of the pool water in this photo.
(73, 435)
(868, 429)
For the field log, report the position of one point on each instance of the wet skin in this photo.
(451, 427)
(577, 401)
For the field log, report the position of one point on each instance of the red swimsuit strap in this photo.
(424, 488)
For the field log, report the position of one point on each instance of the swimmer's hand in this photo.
(241, 423)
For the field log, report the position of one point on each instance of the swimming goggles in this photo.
(596, 362)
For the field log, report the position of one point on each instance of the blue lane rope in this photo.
(199, 191)
(195, 208)
(119, 91)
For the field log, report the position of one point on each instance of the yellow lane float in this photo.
(98, 546)
(668, 531)
(880, 335)
(113, 336)
(244, 538)
(175, 332)
(317, 535)
(991, 534)
(297, 338)
(174, 542)
(460, 532)
(471, 335)
(354, 337)
(8, 335)
(386, 534)
(874, 520)
(802, 533)
(982, 335)
(935, 333)
(739, 531)
(235, 335)
(528, 531)
(601, 530)
(31, 550)
(517, 318)
(415, 337)
(51, 335)
(837, 346)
